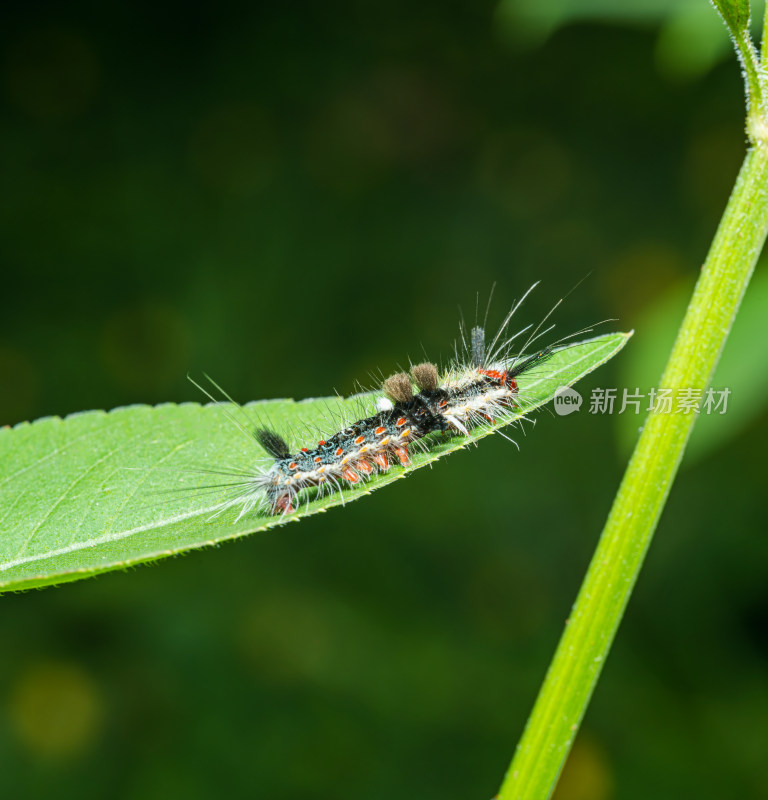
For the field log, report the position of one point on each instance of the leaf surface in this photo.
(99, 490)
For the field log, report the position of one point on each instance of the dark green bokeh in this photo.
(292, 198)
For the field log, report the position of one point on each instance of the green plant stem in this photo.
(765, 38)
(599, 607)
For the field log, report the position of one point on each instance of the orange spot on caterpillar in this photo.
(350, 476)
(340, 451)
(304, 450)
(405, 433)
(321, 443)
(318, 459)
(364, 466)
(381, 461)
(402, 454)
(292, 465)
(360, 440)
(494, 374)
(400, 422)
(283, 503)
(443, 403)
(381, 429)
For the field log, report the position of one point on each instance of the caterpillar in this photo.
(480, 388)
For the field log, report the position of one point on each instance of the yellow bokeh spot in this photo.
(55, 710)
(587, 774)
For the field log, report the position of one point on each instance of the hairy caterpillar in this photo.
(480, 388)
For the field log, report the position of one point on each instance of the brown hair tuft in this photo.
(398, 387)
(425, 376)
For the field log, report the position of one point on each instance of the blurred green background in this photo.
(291, 196)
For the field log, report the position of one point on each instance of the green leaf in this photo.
(690, 38)
(735, 14)
(99, 491)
